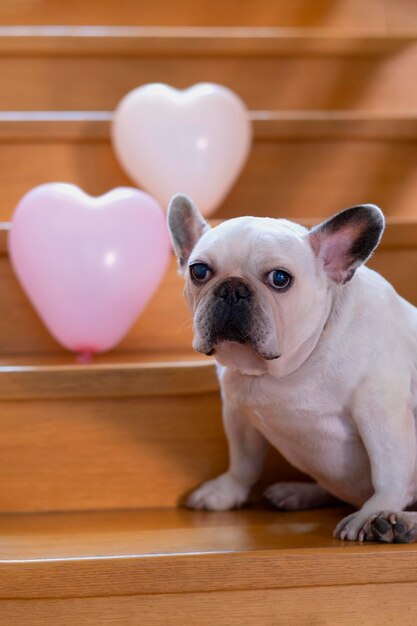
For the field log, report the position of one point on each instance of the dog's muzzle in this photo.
(230, 312)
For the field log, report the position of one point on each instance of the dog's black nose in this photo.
(233, 290)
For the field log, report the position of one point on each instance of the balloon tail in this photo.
(84, 357)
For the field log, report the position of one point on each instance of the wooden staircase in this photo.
(97, 459)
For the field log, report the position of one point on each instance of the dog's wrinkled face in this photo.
(261, 289)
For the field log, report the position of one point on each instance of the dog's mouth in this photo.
(231, 326)
(241, 356)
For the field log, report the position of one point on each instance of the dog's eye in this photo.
(279, 279)
(200, 272)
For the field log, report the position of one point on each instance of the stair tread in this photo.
(114, 375)
(162, 532)
(176, 550)
(271, 125)
(112, 359)
(200, 40)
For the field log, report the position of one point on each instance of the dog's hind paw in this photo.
(297, 496)
(221, 494)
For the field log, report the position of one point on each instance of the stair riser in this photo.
(288, 177)
(63, 455)
(70, 444)
(347, 13)
(378, 83)
(374, 604)
(162, 326)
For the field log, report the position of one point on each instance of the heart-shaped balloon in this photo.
(194, 141)
(89, 265)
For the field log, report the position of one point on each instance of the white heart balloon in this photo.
(194, 141)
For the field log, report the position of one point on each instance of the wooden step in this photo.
(388, 15)
(139, 427)
(50, 67)
(179, 567)
(306, 163)
(199, 41)
(165, 327)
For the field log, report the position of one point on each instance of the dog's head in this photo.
(261, 289)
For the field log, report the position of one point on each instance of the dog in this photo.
(316, 356)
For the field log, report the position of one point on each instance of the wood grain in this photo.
(127, 431)
(79, 126)
(162, 333)
(179, 567)
(178, 551)
(162, 328)
(200, 41)
(387, 15)
(373, 604)
(102, 453)
(361, 81)
(304, 164)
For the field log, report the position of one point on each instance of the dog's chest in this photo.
(313, 432)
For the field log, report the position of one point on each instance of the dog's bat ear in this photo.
(186, 225)
(346, 240)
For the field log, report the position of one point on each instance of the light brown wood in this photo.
(134, 374)
(138, 428)
(179, 551)
(300, 79)
(198, 41)
(79, 126)
(164, 327)
(386, 14)
(141, 426)
(179, 567)
(139, 451)
(342, 605)
(310, 164)
(162, 333)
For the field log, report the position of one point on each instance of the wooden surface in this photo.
(383, 14)
(176, 551)
(198, 41)
(164, 328)
(386, 15)
(139, 451)
(179, 567)
(368, 605)
(381, 605)
(139, 427)
(79, 126)
(163, 332)
(304, 164)
(342, 74)
(330, 85)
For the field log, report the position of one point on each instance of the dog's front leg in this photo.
(247, 448)
(387, 428)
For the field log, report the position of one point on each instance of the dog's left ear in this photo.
(186, 225)
(346, 240)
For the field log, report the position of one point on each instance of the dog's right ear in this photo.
(186, 225)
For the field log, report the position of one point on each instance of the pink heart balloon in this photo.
(89, 265)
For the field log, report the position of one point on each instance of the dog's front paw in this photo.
(353, 527)
(391, 527)
(220, 494)
(384, 526)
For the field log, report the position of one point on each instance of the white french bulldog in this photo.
(317, 357)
